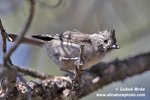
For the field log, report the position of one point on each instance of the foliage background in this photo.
(130, 19)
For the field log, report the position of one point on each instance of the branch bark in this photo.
(33, 73)
(94, 78)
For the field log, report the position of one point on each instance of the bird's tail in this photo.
(27, 40)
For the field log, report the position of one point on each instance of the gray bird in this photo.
(64, 48)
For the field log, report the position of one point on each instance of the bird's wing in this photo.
(68, 36)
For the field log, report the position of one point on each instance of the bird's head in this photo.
(104, 41)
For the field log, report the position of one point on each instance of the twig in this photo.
(78, 75)
(33, 73)
(4, 36)
(4, 32)
(25, 29)
(25, 82)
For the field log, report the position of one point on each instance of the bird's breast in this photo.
(57, 49)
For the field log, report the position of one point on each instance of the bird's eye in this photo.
(106, 41)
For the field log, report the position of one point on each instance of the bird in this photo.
(64, 48)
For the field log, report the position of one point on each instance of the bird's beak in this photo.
(115, 47)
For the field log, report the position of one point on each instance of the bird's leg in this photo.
(79, 63)
(67, 71)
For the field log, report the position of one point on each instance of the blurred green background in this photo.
(130, 19)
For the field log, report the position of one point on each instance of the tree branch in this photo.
(10, 76)
(94, 78)
(77, 78)
(33, 73)
(25, 29)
